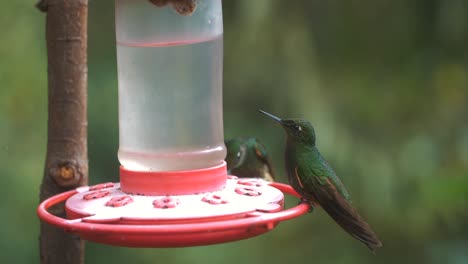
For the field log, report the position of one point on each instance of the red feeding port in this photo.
(166, 202)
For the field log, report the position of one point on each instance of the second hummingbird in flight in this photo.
(316, 182)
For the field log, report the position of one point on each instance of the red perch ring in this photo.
(177, 234)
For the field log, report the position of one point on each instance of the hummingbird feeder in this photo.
(174, 190)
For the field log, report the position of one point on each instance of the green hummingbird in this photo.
(248, 158)
(311, 176)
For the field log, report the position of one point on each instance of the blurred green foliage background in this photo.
(385, 83)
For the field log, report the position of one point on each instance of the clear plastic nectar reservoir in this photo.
(170, 85)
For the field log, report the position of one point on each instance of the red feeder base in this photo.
(244, 208)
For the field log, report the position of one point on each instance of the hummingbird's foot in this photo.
(304, 200)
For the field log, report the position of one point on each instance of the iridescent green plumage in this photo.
(248, 158)
(311, 176)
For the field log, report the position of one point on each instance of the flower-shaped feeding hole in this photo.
(249, 191)
(166, 202)
(214, 199)
(119, 201)
(96, 195)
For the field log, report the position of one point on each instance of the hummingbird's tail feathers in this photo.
(346, 216)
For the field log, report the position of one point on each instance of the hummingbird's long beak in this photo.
(277, 119)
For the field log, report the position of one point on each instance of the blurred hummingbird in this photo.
(311, 176)
(183, 7)
(248, 158)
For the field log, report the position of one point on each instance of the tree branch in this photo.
(66, 164)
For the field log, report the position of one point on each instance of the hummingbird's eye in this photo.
(297, 128)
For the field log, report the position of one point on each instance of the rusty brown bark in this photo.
(66, 165)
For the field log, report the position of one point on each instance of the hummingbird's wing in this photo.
(261, 153)
(323, 191)
(326, 170)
